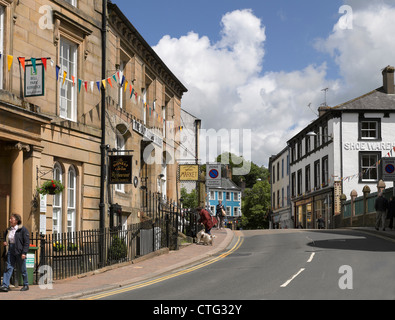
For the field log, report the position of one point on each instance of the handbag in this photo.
(223, 213)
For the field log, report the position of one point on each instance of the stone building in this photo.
(57, 134)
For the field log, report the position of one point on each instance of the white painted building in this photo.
(340, 152)
(281, 215)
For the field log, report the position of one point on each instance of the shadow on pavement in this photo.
(352, 240)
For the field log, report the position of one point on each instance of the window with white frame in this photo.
(212, 195)
(369, 129)
(220, 197)
(68, 90)
(57, 202)
(236, 211)
(71, 199)
(228, 196)
(368, 166)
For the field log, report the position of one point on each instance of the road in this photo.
(281, 265)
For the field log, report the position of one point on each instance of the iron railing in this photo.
(74, 253)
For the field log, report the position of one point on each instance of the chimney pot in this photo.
(388, 80)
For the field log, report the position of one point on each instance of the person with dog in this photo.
(17, 242)
(221, 214)
(206, 220)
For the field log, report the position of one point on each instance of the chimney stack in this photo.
(388, 80)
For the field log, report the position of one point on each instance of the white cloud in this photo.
(228, 88)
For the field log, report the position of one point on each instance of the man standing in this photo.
(381, 206)
(391, 212)
(17, 244)
(221, 214)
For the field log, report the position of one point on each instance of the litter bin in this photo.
(30, 264)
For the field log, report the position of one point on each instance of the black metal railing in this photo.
(74, 253)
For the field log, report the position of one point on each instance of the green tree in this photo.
(251, 177)
(255, 206)
(189, 200)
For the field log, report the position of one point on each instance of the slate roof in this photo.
(374, 100)
(228, 184)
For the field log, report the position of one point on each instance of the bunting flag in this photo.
(57, 73)
(98, 85)
(104, 84)
(73, 78)
(79, 85)
(33, 61)
(64, 76)
(10, 59)
(44, 61)
(109, 81)
(22, 62)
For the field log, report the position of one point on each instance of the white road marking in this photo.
(290, 280)
(311, 257)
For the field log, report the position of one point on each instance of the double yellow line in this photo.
(177, 274)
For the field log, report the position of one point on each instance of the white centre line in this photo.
(290, 280)
(311, 257)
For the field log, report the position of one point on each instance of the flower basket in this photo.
(57, 247)
(51, 187)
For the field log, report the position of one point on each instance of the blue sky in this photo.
(258, 64)
(291, 26)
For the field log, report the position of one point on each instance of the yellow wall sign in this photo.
(189, 172)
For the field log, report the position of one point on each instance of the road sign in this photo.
(388, 169)
(213, 178)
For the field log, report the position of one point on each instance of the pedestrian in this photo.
(321, 223)
(16, 242)
(381, 206)
(391, 212)
(221, 214)
(206, 220)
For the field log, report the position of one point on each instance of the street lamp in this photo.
(314, 134)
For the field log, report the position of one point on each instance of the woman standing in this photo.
(17, 244)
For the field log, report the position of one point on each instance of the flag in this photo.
(9, 60)
(64, 76)
(22, 62)
(57, 72)
(98, 85)
(44, 60)
(104, 84)
(109, 81)
(72, 77)
(33, 60)
(79, 85)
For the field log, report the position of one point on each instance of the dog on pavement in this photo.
(204, 238)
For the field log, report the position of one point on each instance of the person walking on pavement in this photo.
(206, 220)
(381, 206)
(221, 214)
(391, 212)
(321, 223)
(16, 242)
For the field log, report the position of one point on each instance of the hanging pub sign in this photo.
(120, 170)
(34, 80)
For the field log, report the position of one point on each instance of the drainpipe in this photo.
(103, 150)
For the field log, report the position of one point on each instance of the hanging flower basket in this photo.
(51, 187)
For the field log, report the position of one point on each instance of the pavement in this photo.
(142, 269)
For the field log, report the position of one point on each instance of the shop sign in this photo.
(147, 133)
(189, 172)
(34, 80)
(120, 170)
